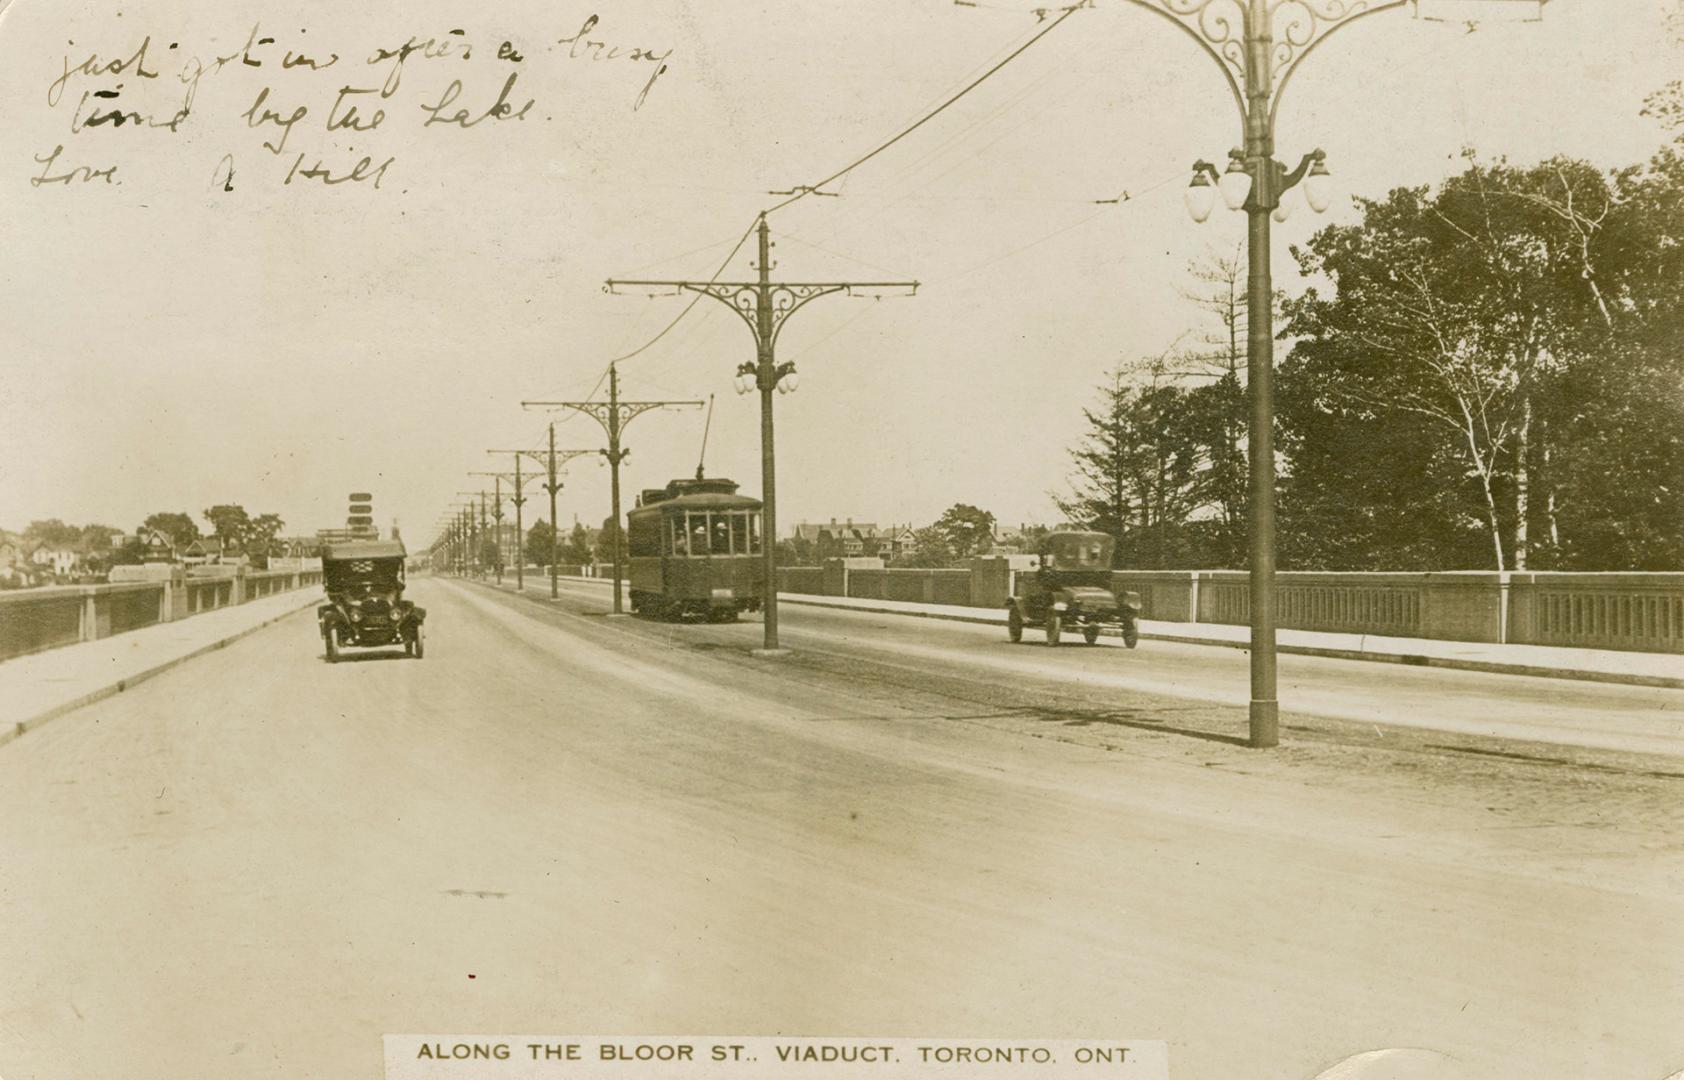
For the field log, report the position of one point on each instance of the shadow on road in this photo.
(363, 657)
(1130, 718)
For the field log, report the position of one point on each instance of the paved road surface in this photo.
(257, 864)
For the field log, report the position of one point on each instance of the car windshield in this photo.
(1078, 551)
(363, 576)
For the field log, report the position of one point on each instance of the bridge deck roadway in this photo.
(256, 864)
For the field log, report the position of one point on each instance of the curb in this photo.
(1495, 667)
(19, 728)
(1492, 667)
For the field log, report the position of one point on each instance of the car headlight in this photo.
(356, 616)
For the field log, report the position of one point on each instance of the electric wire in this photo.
(807, 189)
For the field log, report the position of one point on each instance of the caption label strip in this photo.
(709, 1057)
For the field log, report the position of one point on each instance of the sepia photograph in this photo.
(790, 539)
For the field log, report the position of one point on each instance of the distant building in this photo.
(155, 546)
(850, 538)
(1018, 539)
(205, 551)
(15, 568)
(58, 561)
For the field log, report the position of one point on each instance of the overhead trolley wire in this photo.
(803, 191)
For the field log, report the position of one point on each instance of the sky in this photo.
(177, 337)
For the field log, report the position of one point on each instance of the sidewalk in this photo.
(1545, 661)
(34, 689)
(1594, 665)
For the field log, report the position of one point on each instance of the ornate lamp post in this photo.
(1258, 44)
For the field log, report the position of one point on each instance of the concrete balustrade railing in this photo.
(1638, 612)
(33, 620)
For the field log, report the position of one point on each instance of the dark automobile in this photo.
(1072, 590)
(365, 607)
(695, 551)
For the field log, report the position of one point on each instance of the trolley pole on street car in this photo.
(613, 415)
(765, 305)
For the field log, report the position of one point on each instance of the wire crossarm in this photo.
(783, 298)
(1259, 43)
(603, 413)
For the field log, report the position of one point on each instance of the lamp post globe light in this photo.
(1258, 44)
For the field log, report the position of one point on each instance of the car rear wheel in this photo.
(1090, 634)
(1055, 627)
(1014, 623)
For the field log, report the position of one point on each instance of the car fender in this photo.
(1130, 602)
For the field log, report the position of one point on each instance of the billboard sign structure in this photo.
(361, 517)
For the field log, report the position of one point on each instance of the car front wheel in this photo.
(1055, 627)
(1131, 633)
(1090, 634)
(417, 644)
(1014, 623)
(331, 642)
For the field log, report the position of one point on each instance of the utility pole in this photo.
(497, 510)
(765, 305)
(479, 541)
(613, 415)
(463, 535)
(551, 460)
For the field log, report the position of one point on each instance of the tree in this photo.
(578, 549)
(229, 523)
(606, 541)
(538, 542)
(180, 528)
(965, 531)
(52, 533)
(1142, 470)
(797, 551)
(930, 550)
(96, 538)
(1478, 349)
(263, 530)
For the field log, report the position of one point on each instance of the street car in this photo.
(365, 607)
(1072, 590)
(695, 551)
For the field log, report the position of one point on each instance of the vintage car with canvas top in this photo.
(364, 580)
(1072, 590)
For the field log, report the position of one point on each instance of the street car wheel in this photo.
(1090, 634)
(1131, 634)
(418, 643)
(1055, 627)
(330, 641)
(1014, 623)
